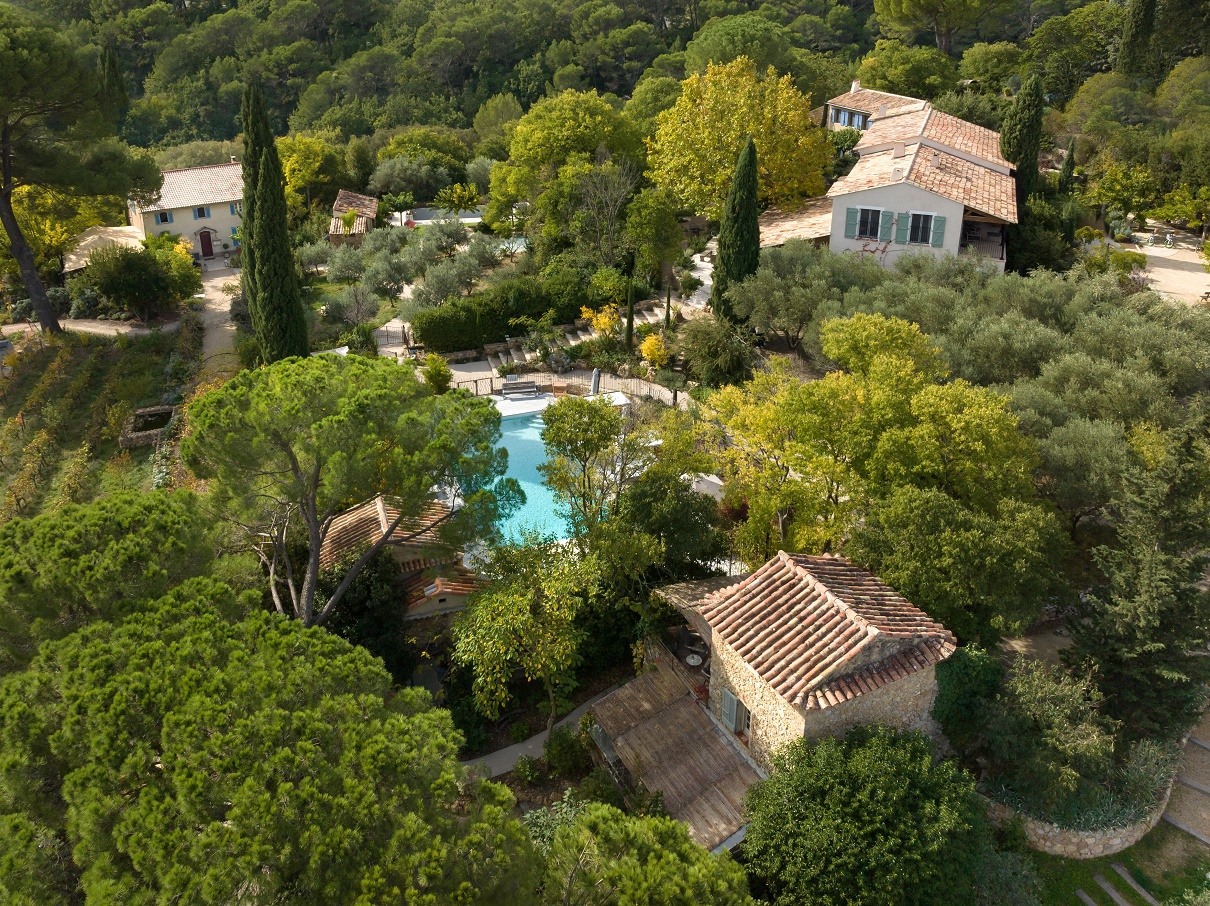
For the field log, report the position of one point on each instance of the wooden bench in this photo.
(519, 388)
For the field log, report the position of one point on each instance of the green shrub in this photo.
(437, 373)
(566, 753)
(967, 681)
(519, 732)
(527, 770)
(598, 786)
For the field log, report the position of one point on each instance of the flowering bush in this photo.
(604, 320)
(655, 350)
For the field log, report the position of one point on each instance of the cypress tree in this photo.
(258, 135)
(1136, 38)
(739, 233)
(115, 85)
(1067, 173)
(1021, 137)
(281, 329)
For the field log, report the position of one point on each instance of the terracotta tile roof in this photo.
(937, 128)
(196, 186)
(812, 221)
(980, 188)
(821, 630)
(963, 136)
(422, 587)
(874, 170)
(364, 524)
(960, 180)
(361, 226)
(869, 101)
(366, 205)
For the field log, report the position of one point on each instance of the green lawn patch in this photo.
(1165, 862)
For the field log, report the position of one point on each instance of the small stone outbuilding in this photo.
(810, 646)
(361, 212)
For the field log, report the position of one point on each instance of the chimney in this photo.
(937, 159)
(898, 149)
(233, 160)
(856, 85)
(882, 109)
(896, 172)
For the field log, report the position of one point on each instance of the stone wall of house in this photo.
(1078, 844)
(906, 704)
(775, 721)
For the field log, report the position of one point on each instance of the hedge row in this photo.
(483, 318)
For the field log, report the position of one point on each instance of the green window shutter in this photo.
(729, 702)
(884, 226)
(903, 228)
(938, 232)
(850, 223)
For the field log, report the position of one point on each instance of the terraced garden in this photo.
(63, 406)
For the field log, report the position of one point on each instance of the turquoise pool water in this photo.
(522, 437)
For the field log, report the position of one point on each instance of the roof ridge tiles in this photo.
(801, 622)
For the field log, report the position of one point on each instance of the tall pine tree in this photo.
(258, 135)
(739, 233)
(1021, 136)
(281, 327)
(1145, 633)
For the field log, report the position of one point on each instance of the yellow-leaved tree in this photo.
(699, 138)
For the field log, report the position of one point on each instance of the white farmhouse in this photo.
(202, 204)
(923, 181)
(855, 108)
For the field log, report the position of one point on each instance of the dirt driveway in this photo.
(1178, 272)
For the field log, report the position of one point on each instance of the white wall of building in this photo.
(899, 199)
(220, 222)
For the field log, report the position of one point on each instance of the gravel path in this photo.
(218, 341)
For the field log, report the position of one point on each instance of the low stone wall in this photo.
(1079, 844)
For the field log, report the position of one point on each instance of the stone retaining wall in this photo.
(1080, 844)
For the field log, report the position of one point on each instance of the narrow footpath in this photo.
(504, 760)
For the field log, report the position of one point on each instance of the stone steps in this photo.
(1134, 885)
(1189, 810)
(1107, 889)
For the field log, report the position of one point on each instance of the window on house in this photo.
(201, 213)
(736, 716)
(163, 217)
(867, 223)
(237, 208)
(922, 229)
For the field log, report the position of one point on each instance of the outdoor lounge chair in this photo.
(519, 388)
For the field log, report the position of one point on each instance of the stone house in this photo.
(204, 205)
(808, 647)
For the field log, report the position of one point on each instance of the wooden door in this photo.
(207, 245)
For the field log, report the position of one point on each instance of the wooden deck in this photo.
(666, 740)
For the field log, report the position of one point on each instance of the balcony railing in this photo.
(992, 248)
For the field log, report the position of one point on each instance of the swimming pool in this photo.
(522, 437)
